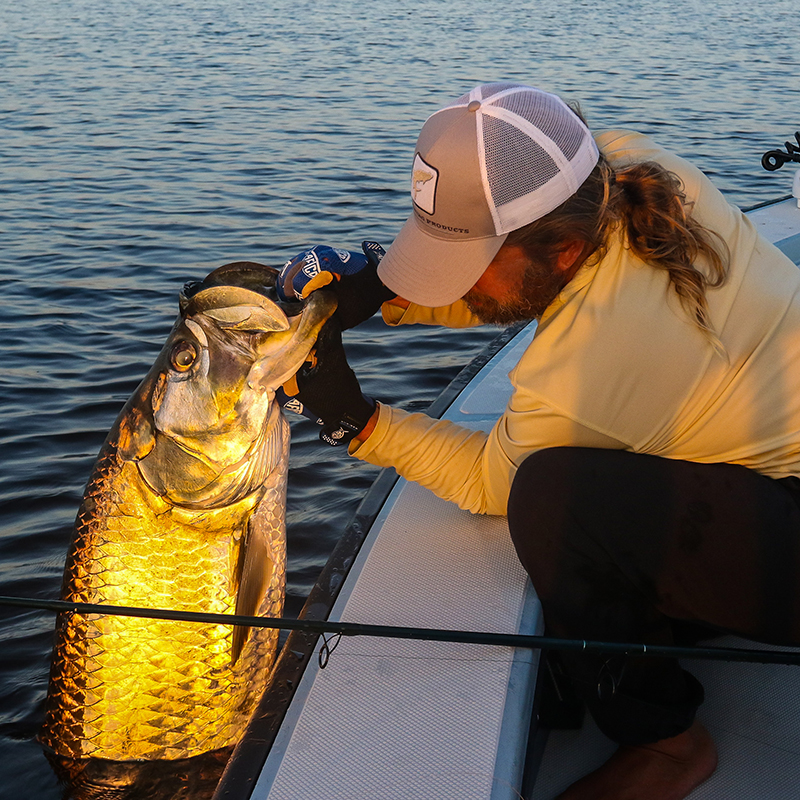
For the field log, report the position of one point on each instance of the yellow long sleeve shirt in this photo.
(617, 362)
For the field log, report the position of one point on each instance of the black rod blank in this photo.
(424, 634)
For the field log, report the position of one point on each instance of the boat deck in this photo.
(752, 712)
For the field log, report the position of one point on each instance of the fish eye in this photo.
(183, 355)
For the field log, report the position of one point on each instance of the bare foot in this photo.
(665, 770)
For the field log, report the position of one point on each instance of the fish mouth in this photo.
(248, 275)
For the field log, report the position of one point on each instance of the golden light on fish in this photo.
(185, 511)
(151, 688)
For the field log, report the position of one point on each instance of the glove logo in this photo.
(423, 185)
(312, 266)
(344, 255)
(334, 438)
(293, 404)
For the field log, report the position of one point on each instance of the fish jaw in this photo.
(269, 372)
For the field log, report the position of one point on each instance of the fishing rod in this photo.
(524, 641)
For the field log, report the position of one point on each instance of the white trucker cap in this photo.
(494, 160)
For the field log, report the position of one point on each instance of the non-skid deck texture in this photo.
(751, 710)
(404, 719)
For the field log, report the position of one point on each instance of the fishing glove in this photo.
(326, 390)
(352, 276)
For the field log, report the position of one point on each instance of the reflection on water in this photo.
(144, 144)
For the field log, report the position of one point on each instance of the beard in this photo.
(541, 284)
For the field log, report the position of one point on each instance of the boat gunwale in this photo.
(765, 203)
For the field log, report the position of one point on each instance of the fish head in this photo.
(203, 426)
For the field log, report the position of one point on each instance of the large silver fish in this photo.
(184, 510)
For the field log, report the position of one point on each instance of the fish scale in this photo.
(196, 700)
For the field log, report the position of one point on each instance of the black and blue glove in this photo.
(352, 276)
(312, 269)
(326, 390)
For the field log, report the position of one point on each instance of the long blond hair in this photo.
(650, 204)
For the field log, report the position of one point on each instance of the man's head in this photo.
(493, 161)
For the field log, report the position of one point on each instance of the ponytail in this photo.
(661, 231)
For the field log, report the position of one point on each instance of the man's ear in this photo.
(571, 256)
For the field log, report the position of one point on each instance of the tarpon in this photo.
(184, 510)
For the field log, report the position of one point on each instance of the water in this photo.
(145, 143)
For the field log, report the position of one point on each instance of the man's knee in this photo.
(537, 508)
(541, 488)
(556, 514)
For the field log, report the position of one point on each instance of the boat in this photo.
(379, 718)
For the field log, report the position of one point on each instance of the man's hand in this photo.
(327, 389)
(352, 276)
(315, 268)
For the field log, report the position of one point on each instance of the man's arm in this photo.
(468, 467)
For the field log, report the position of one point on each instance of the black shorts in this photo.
(627, 547)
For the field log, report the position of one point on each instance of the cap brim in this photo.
(430, 271)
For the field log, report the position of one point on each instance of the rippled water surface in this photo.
(145, 143)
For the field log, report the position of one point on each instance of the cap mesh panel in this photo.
(549, 116)
(490, 89)
(515, 164)
(486, 90)
(461, 101)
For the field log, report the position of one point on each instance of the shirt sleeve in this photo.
(471, 468)
(456, 315)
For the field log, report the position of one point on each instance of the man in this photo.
(649, 454)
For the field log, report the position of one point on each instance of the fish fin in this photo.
(136, 436)
(255, 573)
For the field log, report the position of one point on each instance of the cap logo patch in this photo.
(423, 185)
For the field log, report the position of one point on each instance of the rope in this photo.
(523, 641)
(775, 159)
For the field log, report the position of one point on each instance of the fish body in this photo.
(184, 510)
